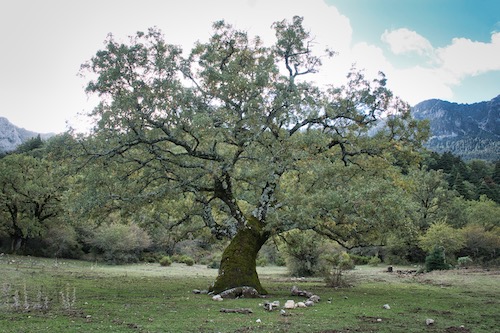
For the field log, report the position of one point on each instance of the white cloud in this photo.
(403, 41)
(465, 57)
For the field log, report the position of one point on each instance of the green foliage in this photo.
(359, 259)
(333, 271)
(165, 261)
(303, 253)
(470, 179)
(30, 196)
(444, 237)
(464, 262)
(119, 243)
(481, 243)
(374, 261)
(214, 263)
(31, 146)
(236, 130)
(436, 260)
(61, 241)
(184, 259)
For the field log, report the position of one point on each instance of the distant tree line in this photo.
(470, 179)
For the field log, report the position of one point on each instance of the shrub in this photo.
(443, 235)
(337, 264)
(303, 253)
(188, 260)
(120, 243)
(165, 261)
(215, 264)
(359, 259)
(464, 262)
(261, 261)
(481, 243)
(436, 260)
(61, 241)
(374, 261)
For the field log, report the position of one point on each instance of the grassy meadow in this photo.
(47, 295)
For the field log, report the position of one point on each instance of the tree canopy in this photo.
(238, 132)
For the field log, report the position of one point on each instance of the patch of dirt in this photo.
(452, 329)
(442, 313)
(347, 330)
(368, 319)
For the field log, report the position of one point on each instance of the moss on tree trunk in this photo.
(238, 264)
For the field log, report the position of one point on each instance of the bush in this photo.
(165, 261)
(436, 260)
(303, 250)
(374, 261)
(214, 264)
(359, 259)
(61, 241)
(183, 259)
(464, 262)
(120, 243)
(337, 264)
(151, 257)
(188, 260)
(261, 261)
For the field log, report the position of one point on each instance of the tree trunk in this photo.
(238, 264)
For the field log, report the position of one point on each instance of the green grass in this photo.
(151, 298)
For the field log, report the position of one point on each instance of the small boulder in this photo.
(217, 298)
(309, 303)
(386, 306)
(429, 321)
(290, 304)
(314, 298)
(301, 305)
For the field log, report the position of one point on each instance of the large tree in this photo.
(236, 130)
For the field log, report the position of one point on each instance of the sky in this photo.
(446, 49)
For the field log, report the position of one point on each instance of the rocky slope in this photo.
(467, 130)
(12, 136)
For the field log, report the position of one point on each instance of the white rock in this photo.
(301, 305)
(386, 306)
(309, 303)
(429, 321)
(290, 304)
(258, 321)
(283, 312)
(217, 298)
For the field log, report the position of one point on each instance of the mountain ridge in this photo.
(471, 131)
(11, 136)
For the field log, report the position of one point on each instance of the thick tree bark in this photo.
(238, 264)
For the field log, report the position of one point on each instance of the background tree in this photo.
(226, 127)
(30, 192)
(443, 236)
